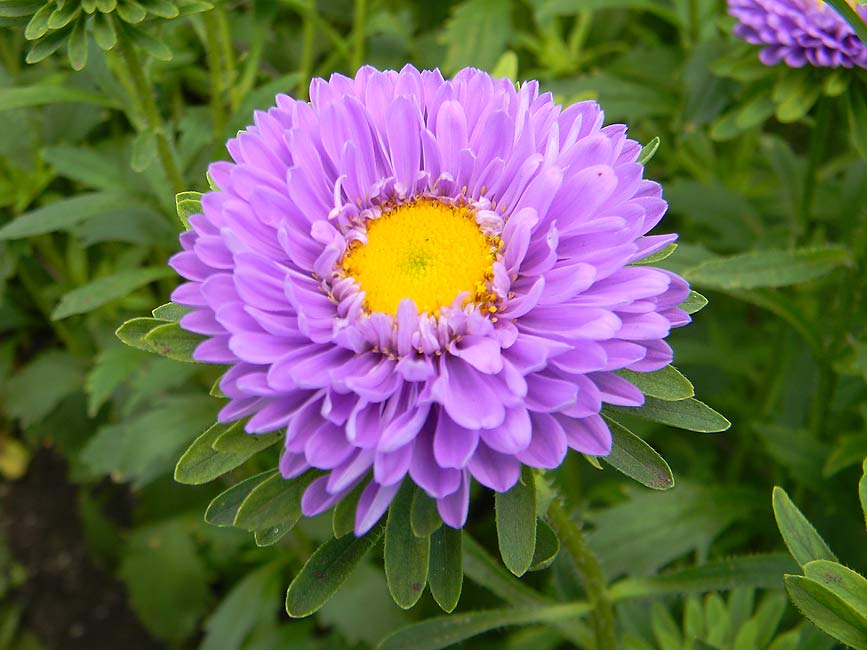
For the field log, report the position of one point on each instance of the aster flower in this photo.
(799, 32)
(429, 278)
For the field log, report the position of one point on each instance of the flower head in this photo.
(428, 277)
(799, 32)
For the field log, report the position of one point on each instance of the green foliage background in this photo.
(764, 170)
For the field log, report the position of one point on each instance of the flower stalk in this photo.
(589, 571)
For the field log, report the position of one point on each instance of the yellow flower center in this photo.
(424, 250)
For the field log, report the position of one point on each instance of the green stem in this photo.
(358, 34)
(580, 31)
(215, 66)
(590, 572)
(850, 16)
(143, 100)
(817, 145)
(228, 53)
(306, 68)
(694, 22)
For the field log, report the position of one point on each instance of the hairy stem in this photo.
(590, 572)
(143, 100)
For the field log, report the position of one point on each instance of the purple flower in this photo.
(799, 32)
(427, 277)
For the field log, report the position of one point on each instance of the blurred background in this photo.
(110, 107)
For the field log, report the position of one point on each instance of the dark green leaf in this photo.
(446, 576)
(425, 518)
(39, 387)
(76, 47)
(326, 570)
(516, 524)
(103, 290)
(343, 517)
(273, 502)
(689, 414)
(104, 32)
(802, 540)
(201, 463)
(112, 367)
(224, 508)
(406, 556)
(172, 341)
(272, 535)
(862, 491)
(665, 384)
(547, 546)
(636, 459)
(147, 43)
(827, 611)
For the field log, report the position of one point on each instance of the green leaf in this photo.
(506, 66)
(161, 8)
(446, 575)
(39, 387)
(827, 611)
(647, 152)
(658, 256)
(856, 112)
(406, 556)
(424, 518)
(172, 341)
(445, 631)
(64, 14)
(131, 11)
(754, 571)
(38, 25)
(636, 459)
(273, 502)
(516, 524)
(477, 33)
(76, 46)
(44, 94)
(103, 290)
(201, 463)
(188, 204)
(166, 579)
(848, 585)
(272, 535)
(133, 332)
(239, 442)
(90, 168)
(111, 368)
(802, 540)
(224, 508)
(104, 32)
(847, 451)
(63, 215)
(343, 517)
(862, 491)
(48, 45)
(689, 414)
(144, 150)
(775, 268)
(547, 546)
(243, 609)
(695, 302)
(147, 43)
(665, 384)
(326, 570)
(171, 312)
(795, 94)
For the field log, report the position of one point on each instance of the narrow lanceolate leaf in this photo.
(516, 524)
(827, 611)
(445, 631)
(188, 204)
(648, 151)
(201, 463)
(29, 96)
(755, 571)
(406, 556)
(804, 543)
(170, 340)
(638, 460)
(658, 256)
(103, 290)
(224, 508)
(343, 517)
(133, 332)
(547, 546)
(425, 518)
(237, 441)
(689, 414)
(845, 583)
(171, 312)
(768, 268)
(326, 570)
(64, 214)
(274, 502)
(446, 575)
(694, 302)
(667, 384)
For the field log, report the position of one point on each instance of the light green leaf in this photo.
(802, 540)
(224, 508)
(647, 152)
(636, 459)
(188, 204)
(446, 575)
(40, 386)
(827, 611)
(103, 290)
(111, 368)
(273, 502)
(406, 556)
(326, 570)
(90, 168)
(171, 312)
(848, 585)
(695, 302)
(665, 384)
(172, 341)
(516, 524)
(41, 95)
(64, 214)
(506, 66)
(776, 268)
(238, 441)
(477, 33)
(658, 256)
(133, 332)
(445, 631)
(689, 414)
(147, 43)
(76, 46)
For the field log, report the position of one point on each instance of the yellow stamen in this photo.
(425, 250)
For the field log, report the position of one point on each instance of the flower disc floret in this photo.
(427, 279)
